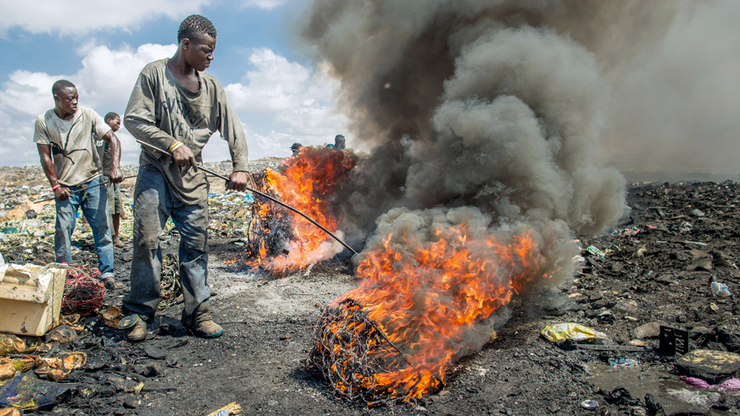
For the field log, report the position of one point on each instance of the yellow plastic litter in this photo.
(575, 332)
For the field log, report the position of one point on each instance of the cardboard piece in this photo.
(30, 298)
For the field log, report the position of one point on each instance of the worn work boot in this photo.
(203, 326)
(138, 332)
(109, 283)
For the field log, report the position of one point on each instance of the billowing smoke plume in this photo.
(497, 106)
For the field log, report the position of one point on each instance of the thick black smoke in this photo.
(493, 105)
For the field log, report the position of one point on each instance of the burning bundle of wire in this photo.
(427, 295)
(282, 242)
(351, 350)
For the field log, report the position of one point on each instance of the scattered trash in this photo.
(63, 334)
(30, 298)
(623, 362)
(710, 365)
(720, 289)
(696, 398)
(28, 392)
(59, 367)
(9, 411)
(112, 317)
(83, 291)
(732, 384)
(230, 409)
(7, 369)
(11, 344)
(673, 341)
(589, 404)
(571, 331)
(595, 251)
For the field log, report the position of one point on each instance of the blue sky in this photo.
(280, 96)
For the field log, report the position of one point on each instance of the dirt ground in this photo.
(657, 269)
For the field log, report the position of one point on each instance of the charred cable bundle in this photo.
(352, 352)
(271, 226)
(83, 290)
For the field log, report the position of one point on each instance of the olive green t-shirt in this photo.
(161, 111)
(75, 156)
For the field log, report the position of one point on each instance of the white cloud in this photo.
(49, 16)
(107, 76)
(264, 4)
(275, 85)
(300, 102)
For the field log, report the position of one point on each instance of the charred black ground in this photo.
(661, 258)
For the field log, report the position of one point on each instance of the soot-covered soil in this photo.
(658, 265)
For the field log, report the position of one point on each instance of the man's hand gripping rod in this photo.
(258, 193)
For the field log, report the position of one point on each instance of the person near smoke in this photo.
(285, 164)
(177, 106)
(64, 138)
(115, 206)
(339, 143)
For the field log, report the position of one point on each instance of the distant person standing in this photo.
(176, 106)
(285, 164)
(64, 138)
(115, 207)
(339, 143)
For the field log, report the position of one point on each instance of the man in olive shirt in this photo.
(64, 138)
(176, 106)
(115, 208)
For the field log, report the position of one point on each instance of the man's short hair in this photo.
(296, 146)
(111, 116)
(194, 27)
(61, 85)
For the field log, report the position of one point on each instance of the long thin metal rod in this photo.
(260, 194)
(51, 198)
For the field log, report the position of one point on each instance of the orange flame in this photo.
(306, 184)
(427, 297)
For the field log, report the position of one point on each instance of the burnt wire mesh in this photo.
(350, 350)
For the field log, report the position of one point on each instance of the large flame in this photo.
(307, 184)
(427, 293)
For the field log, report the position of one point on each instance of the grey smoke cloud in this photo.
(676, 106)
(496, 104)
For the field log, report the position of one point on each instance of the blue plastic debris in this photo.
(28, 392)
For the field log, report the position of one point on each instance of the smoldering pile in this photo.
(476, 109)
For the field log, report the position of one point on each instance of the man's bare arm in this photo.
(116, 176)
(61, 193)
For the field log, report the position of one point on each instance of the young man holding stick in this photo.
(177, 107)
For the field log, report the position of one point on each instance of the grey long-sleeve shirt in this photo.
(161, 111)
